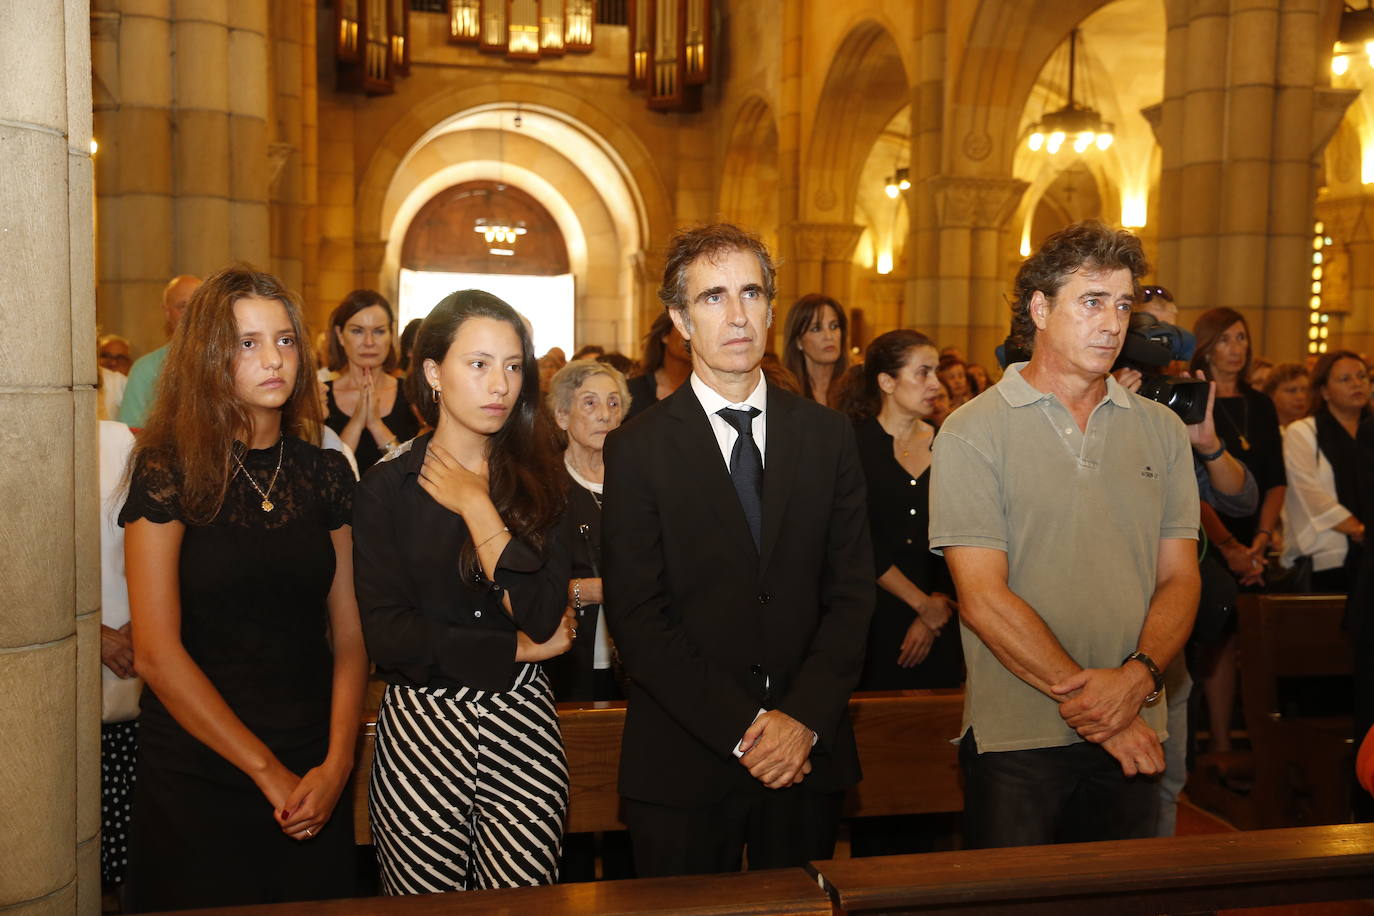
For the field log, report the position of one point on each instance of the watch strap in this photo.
(1155, 673)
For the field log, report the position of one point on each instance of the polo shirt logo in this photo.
(1148, 474)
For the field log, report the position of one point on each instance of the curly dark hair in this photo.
(711, 242)
(1090, 244)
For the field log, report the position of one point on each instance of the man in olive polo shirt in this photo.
(1068, 512)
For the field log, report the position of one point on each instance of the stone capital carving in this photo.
(1154, 116)
(975, 203)
(1348, 219)
(1328, 107)
(825, 241)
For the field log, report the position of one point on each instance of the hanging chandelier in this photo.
(897, 183)
(499, 232)
(1082, 123)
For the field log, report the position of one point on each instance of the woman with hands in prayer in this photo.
(462, 582)
(238, 556)
(366, 405)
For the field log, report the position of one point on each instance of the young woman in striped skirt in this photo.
(462, 583)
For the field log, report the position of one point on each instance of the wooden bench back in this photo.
(909, 764)
(1302, 764)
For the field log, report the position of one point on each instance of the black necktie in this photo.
(746, 467)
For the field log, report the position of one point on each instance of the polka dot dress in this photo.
(118, 744)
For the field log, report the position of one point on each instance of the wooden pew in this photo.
(1127, 878)
(903, 736)
(759, 893)
(1193, 874)
(1303, 765)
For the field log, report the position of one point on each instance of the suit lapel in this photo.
(704, 471)
(779, 466)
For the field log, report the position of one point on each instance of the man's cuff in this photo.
(739, 745)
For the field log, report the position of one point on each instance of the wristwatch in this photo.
(1149, 663)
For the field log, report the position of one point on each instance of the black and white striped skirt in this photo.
(469, 788)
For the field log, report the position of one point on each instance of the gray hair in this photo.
(574, 375)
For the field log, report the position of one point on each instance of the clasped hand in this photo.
(1102, 702)
(303, 805)
(777, 749)
(450, 484)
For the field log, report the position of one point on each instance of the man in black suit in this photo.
(738, 584)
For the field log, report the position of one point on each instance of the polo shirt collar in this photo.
(1018, 392)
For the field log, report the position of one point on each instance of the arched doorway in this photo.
(492, 236)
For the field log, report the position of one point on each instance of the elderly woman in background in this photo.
(588, 399)
(816, 346)
(1328, 475)
(1289, 387)
(367, 406)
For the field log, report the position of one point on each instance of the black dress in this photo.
(899, 519)
(1249, 427)
(254, 617)
(401, 421)
(643, 394)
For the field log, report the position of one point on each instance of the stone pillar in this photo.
(789, 120)
(822, 253)
(310, 163)
(50, 630)
(336, 194)
(920, 308)
(1241, 126)
(970, 300)
(285, 161)
(182, 119)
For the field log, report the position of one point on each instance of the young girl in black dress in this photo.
(462, 581)
(239, 562)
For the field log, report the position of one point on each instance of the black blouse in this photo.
(1249, 426)
(643, 394)
(401, 421)
(426, 623)
(253, 587)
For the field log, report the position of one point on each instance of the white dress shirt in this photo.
(725, 433)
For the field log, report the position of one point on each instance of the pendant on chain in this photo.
(267, 505)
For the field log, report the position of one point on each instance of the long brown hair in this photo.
(351, 305)
(799, 319)
(197, 413)
(524, 462)
(1207, 329)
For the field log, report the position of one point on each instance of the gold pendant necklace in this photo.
(267, 504)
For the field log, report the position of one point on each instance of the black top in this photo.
(899, 520)
(572, 674)
(1249, 426)
(643, 393)
(401, 421)
(253, 589)
(426, 623)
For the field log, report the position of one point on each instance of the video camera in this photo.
(1151, 345)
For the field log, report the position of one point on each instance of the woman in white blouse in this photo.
(1324, 467)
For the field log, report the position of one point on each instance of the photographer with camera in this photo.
(1224, 483)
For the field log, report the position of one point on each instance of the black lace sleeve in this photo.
(153, 493)
(336, 483)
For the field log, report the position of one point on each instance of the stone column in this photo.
(182, 119)
(1240, 128)
(310, 163)
(336, 194)
(789, 120)
(822, 253)
(970, 306)
(920, 305)
(50, 630)
(285, 161)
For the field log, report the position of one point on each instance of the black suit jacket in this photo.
(703, 621)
